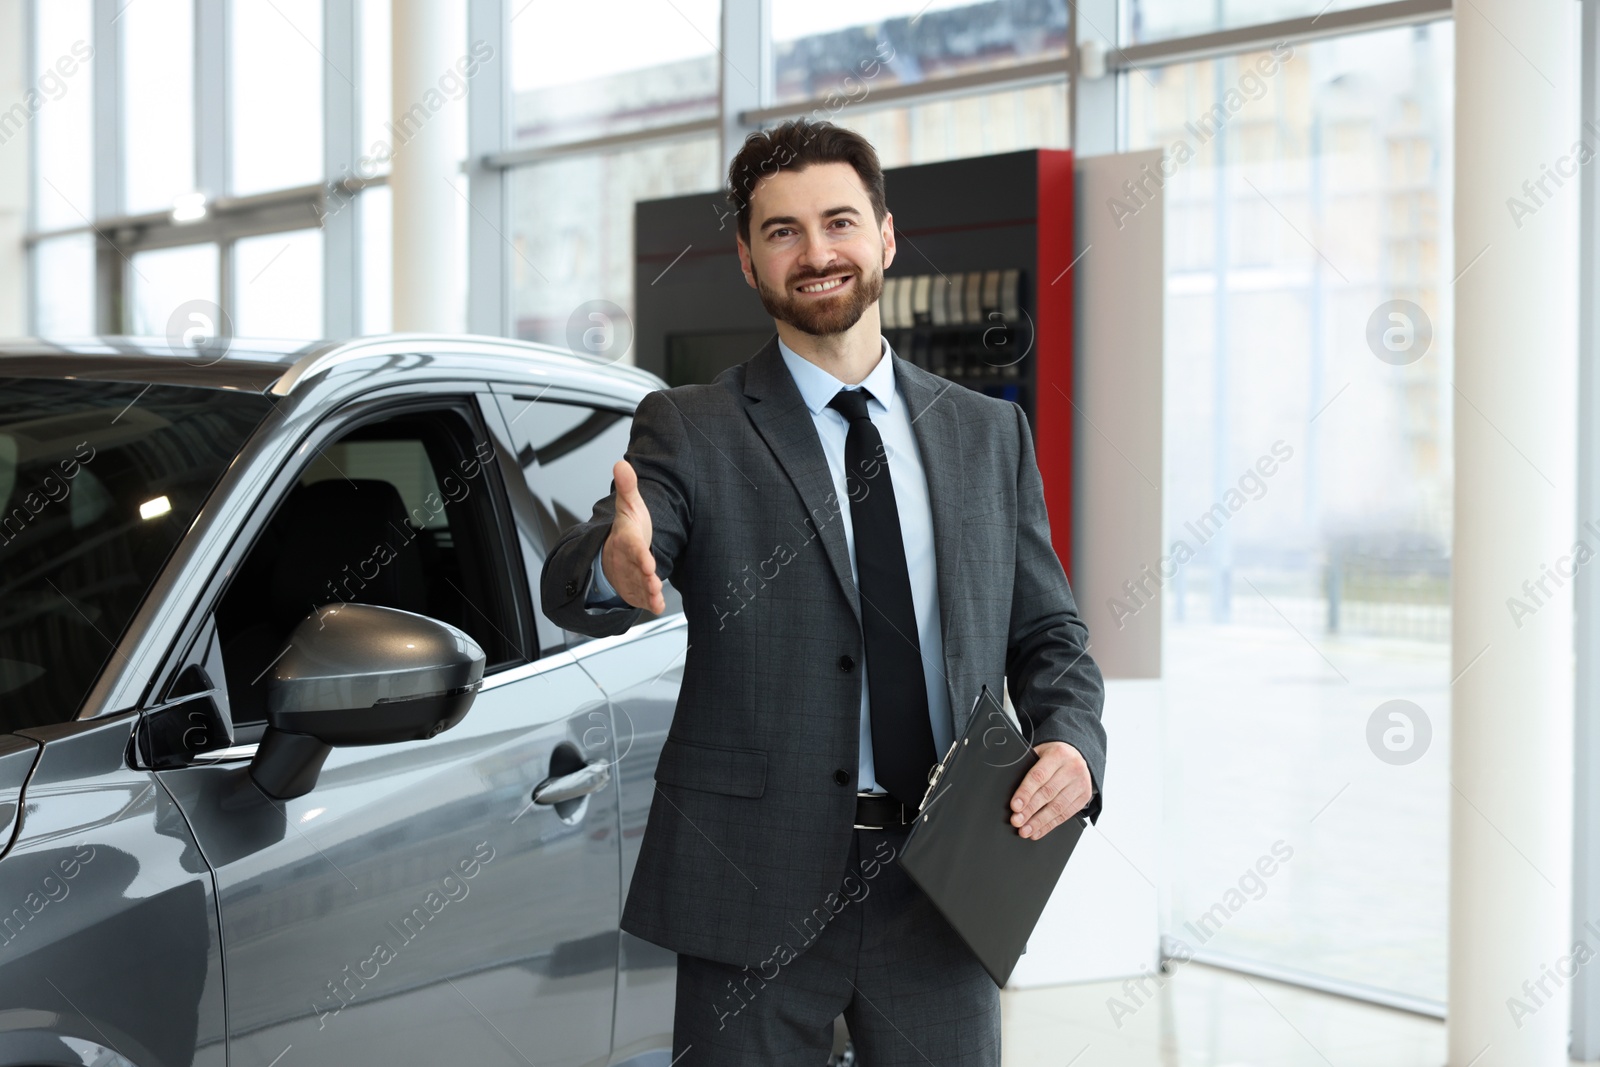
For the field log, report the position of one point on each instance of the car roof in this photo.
(280, 367)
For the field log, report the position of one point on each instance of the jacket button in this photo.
(842, 776)
(572, 588)
(846, 664)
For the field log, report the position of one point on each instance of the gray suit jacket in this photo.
(749, 831)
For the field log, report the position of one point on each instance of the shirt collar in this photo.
(818, 386)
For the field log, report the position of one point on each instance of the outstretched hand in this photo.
(629, 564)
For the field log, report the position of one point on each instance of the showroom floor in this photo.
(1211, 1018)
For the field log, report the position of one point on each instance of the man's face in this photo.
(816, 226)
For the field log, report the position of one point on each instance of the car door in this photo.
(565, 445)
(416, 905)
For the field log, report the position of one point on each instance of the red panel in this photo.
(1052, 423)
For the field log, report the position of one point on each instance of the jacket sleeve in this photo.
(1055, 685)
(661, 454)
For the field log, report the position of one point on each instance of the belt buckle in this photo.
(864, 826)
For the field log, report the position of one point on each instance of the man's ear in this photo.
(887, 235)
(744, 262)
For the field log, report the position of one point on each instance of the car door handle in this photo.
(590, 778)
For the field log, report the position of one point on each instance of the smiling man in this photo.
(860, 547)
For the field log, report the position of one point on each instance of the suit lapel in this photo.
(781, 417)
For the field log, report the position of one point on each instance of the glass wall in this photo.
(158, 94)
(571, 235)
(1308, 471)
(275, 72)
(63, 186)
(278, 285)
(63, 291)
(851, 49)
(657, 65)
(166, 282)
(964, 126)
(1154, 20)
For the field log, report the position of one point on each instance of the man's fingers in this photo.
(627, 481)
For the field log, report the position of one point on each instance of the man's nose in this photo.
(817, 257)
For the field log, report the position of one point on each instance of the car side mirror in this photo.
(359, 674)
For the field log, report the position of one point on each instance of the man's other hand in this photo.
(629, 565)
(1057, 788)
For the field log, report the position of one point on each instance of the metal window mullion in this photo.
(1021, 76)
(30, 214)
(111, 271)
(488, 95)
(1586, 584)
(1097, 117)
(340, 217)
(213, 150)
(745, 71)
(1264, 35)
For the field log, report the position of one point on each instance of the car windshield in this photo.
(98, 483)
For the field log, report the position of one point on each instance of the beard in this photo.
(825, 316)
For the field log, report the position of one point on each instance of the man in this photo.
(860, 546)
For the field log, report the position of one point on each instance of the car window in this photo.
(99, 481)
(566, 451)
(402, 513)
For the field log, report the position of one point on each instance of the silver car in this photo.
(292, 769)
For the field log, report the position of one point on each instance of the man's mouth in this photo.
(827, 285)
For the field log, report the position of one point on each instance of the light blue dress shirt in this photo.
(888, 412)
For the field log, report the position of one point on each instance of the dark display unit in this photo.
(980, 291)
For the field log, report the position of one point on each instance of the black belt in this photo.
(879, 811)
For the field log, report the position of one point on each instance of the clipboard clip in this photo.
(937, 770)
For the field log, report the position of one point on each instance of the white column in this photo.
(1515, 486)
(427, 133)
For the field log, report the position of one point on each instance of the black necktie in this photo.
(897, 695)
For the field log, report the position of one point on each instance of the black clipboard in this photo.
(990, 883)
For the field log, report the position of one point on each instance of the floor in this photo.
(1204, 1017)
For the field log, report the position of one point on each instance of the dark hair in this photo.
(797, 144)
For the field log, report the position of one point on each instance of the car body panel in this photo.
(354, 934)
(120, 947)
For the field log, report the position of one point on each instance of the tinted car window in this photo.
(400, 513)
(566, 451)
(98, 483)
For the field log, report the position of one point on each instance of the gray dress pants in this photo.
(911, 991)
